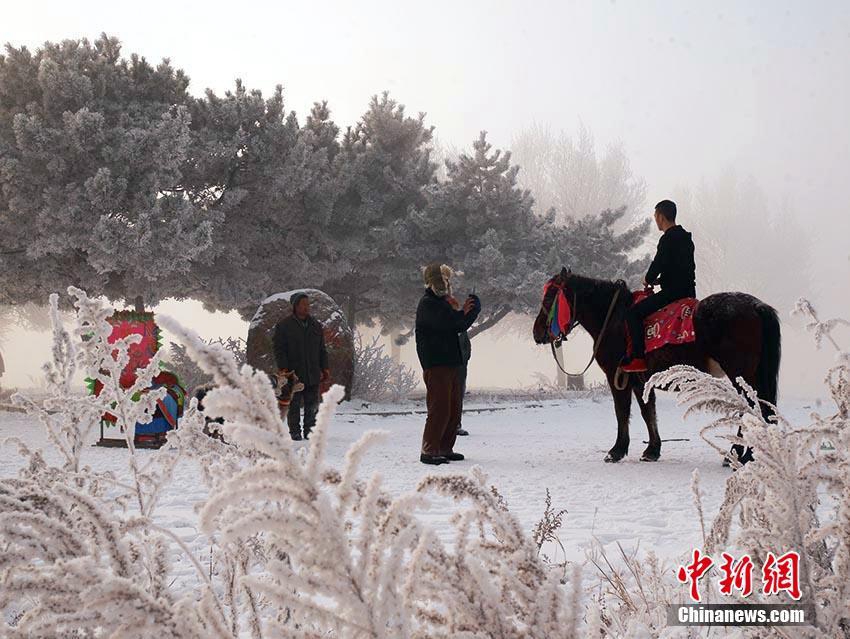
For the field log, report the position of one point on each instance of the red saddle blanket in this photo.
(673, 324)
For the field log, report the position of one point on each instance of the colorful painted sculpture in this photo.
(169, 409)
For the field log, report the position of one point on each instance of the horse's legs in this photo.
(734, 369)
(647, 410)
(622, 408)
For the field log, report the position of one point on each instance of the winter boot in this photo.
(634, 365)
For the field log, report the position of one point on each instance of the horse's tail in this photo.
(767, 374)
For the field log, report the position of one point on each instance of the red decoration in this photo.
(673, 324)
(126, 323)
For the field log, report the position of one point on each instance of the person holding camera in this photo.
(439, 352)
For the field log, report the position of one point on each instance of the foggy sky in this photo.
(690, 88)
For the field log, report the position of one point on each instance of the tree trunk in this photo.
(575, 382)
(395, 349)
(351, 311)
(139, 303)
(560, 378)
(572, 382)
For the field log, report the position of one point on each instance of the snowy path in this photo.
(557, 445)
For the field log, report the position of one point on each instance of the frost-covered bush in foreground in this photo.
(301, 549)
(796, 494)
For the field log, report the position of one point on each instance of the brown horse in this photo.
(737, 335)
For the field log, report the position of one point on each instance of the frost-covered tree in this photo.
(272, 182)
(595, 245)
(569, 175)
(382, 168)
(91, 150)
(482, 222)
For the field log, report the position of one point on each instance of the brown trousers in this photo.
(442, 384)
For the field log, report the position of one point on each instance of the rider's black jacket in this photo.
(673, 265)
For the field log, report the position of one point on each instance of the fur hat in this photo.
(438, 278)
(297, 297)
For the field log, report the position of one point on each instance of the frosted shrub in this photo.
(377, 377)
(81, 556)
(190, 373)
(301, 549)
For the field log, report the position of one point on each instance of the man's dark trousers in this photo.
(646, 307)
(309, 399)
(442, 385)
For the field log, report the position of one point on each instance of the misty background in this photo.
(738, 111)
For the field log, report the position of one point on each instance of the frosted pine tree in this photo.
(93, 147)
(272, 182)
(481, 221)
(383, 166)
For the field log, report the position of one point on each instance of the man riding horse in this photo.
(674, 268)
(728, 334)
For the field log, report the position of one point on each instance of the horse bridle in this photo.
(556, 343)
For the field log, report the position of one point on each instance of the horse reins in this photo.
(597, 342)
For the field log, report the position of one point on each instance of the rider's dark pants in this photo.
(638, 312)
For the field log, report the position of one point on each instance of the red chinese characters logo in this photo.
(694, 571)
(737, 575)
(779, 574)
(782, 573)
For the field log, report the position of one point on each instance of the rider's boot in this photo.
(634, 365)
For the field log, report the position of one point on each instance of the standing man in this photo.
(299, 346)
(674, 268)
(438, 348)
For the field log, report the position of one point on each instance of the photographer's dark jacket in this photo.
(300, 347)
(437, 328)
(673, 266)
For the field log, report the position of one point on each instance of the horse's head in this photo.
(285, 386)
(556, 317)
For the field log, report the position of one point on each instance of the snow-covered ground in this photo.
(524, 446)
